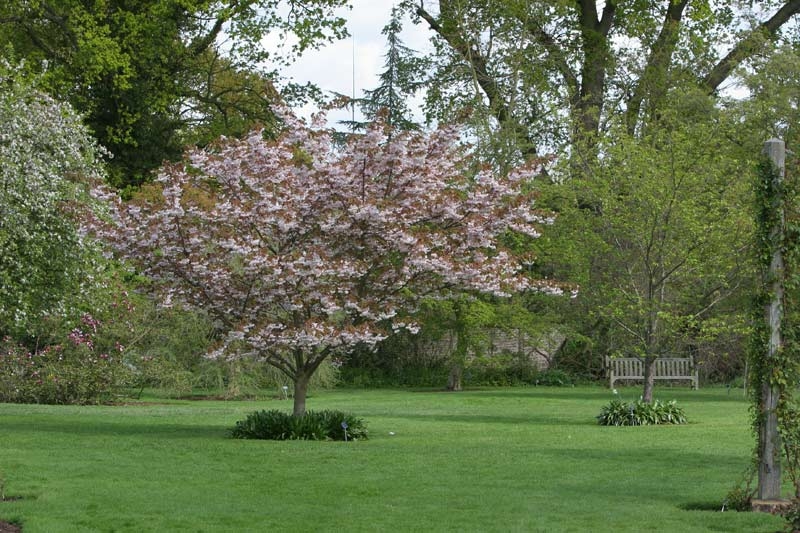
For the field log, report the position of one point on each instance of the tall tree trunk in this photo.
(459, 356)
(652, 85)
(649, 378)
(597, 55)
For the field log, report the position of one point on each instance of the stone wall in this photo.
(539, 349)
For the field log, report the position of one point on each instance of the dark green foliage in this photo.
(152, 76)
(509, 370)
(499, 370)
(496, 371)
(640, 413)
(554, 378)
(407, 376)
(313, 425)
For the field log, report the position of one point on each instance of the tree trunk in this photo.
(597, 55)
(649, 378)
(300, 393)
(454, 380)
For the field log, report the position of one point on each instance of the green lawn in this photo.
(519, 459)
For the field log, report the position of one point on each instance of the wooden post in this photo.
(769, 453)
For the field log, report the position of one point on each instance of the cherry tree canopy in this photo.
(302, 248)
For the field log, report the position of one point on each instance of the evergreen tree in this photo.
(403, 75)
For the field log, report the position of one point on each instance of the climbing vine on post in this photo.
(769, 381)
(774, 364)
(789, 358)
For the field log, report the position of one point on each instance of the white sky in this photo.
(355, 62)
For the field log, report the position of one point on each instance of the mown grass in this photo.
(526, 459)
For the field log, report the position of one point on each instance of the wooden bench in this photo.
(666, 368)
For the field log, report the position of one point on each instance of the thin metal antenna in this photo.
(353, 101)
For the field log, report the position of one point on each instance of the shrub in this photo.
(410, 376)
(250, 378)
(160, 373)
(510, 370)
(792, 515)
(639, 413)
(82, 370)
(738, 499)
(554, 378)
(313, 425)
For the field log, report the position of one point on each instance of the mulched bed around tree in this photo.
(5, 527)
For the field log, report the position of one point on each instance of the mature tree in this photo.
(302, 250)
(546, 73)
(676, 231)
(145, 72)
(586, 79)
(772, 109)
(659, 239)
(223, 99)
(46, 158)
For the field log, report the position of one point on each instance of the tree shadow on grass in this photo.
(600, 393)
(542, 420)
(106, 429)
(561, 393)
(633, 472)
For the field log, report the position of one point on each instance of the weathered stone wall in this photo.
(540, 349)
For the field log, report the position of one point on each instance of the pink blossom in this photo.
(303, 249)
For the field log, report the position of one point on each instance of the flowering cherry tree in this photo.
(301, 248)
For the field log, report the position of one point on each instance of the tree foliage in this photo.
(144, 73)
(301, 251)
(650, 184)
(661, 238)
(541, 75)
(46, 159)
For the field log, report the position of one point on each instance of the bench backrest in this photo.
(665, 368)
(674, 366)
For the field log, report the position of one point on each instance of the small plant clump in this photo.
(313, 425)
(739, 498)
(640, 413)
(792, 515)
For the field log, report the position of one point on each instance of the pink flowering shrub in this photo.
(301, 249)
(80, 370)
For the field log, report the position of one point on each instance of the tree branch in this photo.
(596, 54)
(653, 78)
(748, 46)
(201, 44)
(469, 51)
(556, 54)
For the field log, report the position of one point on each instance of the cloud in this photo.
(352, 65)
